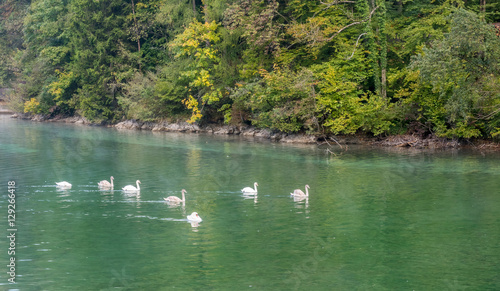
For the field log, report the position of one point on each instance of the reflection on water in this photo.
(255, 198)
(375, 219)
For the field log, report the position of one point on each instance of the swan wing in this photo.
(174, 199)
(129, 188)
(194, 217)
(104, 183)
(298, 192)
(248, 190)
(63, 184)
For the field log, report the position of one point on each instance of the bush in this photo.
(282, 99)
(32, 106)
(138, 100)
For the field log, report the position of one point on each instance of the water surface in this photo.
(376, 219)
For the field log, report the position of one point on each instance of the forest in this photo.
(422, 67)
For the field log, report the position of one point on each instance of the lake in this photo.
(376, 218)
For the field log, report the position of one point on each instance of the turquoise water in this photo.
(376, 219)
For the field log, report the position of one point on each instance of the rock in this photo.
(128, 124)
(38, 117)
(277, 136)
(21, 115)
(183, 127)
(266, 133)
(81, 120)
(148, 126)
(299, 138)
(207, 129)
(162, 126)
(250, 131)
(194, 128)
(227, 129)
(173, 127)
(76, 120)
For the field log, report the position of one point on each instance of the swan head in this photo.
(138, 182)
(255, 184)
(307, 186)
(112, 178)
(183, 191)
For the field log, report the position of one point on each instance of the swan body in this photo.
(105, 184)
(300, 193)
(300, 198)
(175, 199)
(248, 190)
(194, 217)
(131, 188)
(63, 185)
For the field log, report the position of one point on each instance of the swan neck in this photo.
(138, 187)
(183, 197)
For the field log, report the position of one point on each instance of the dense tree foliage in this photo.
(323, 67)
(12, 13)
(463, 71)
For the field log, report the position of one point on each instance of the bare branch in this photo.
(357, 41)
(331, 137)
(354, 23)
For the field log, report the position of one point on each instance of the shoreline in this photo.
(4, 109)
(401, 141)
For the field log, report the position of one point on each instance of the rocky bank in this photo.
(412, 141)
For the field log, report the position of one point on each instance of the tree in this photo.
(147, 26)
(257, 20)
(196, 42)
(463, 71)
(99, 45)
(12, 13)
(46, 55)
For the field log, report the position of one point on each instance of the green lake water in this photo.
(376, 218)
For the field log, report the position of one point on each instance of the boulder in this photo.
(147, 126)
(128, 124)
(298, 138)
(250, 131)
(162, 126)
(226, 129)
(265, 133)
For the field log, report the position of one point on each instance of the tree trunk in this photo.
(136, 28)
(205, 10)
(482, 9)
(382, 14)
(383, 87)
(136, 31)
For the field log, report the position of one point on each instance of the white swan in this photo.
(248, 190)
(300, 193)
(105, 184)
(131, 188)
(194, 217)
(63, 185)
(175, 199)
